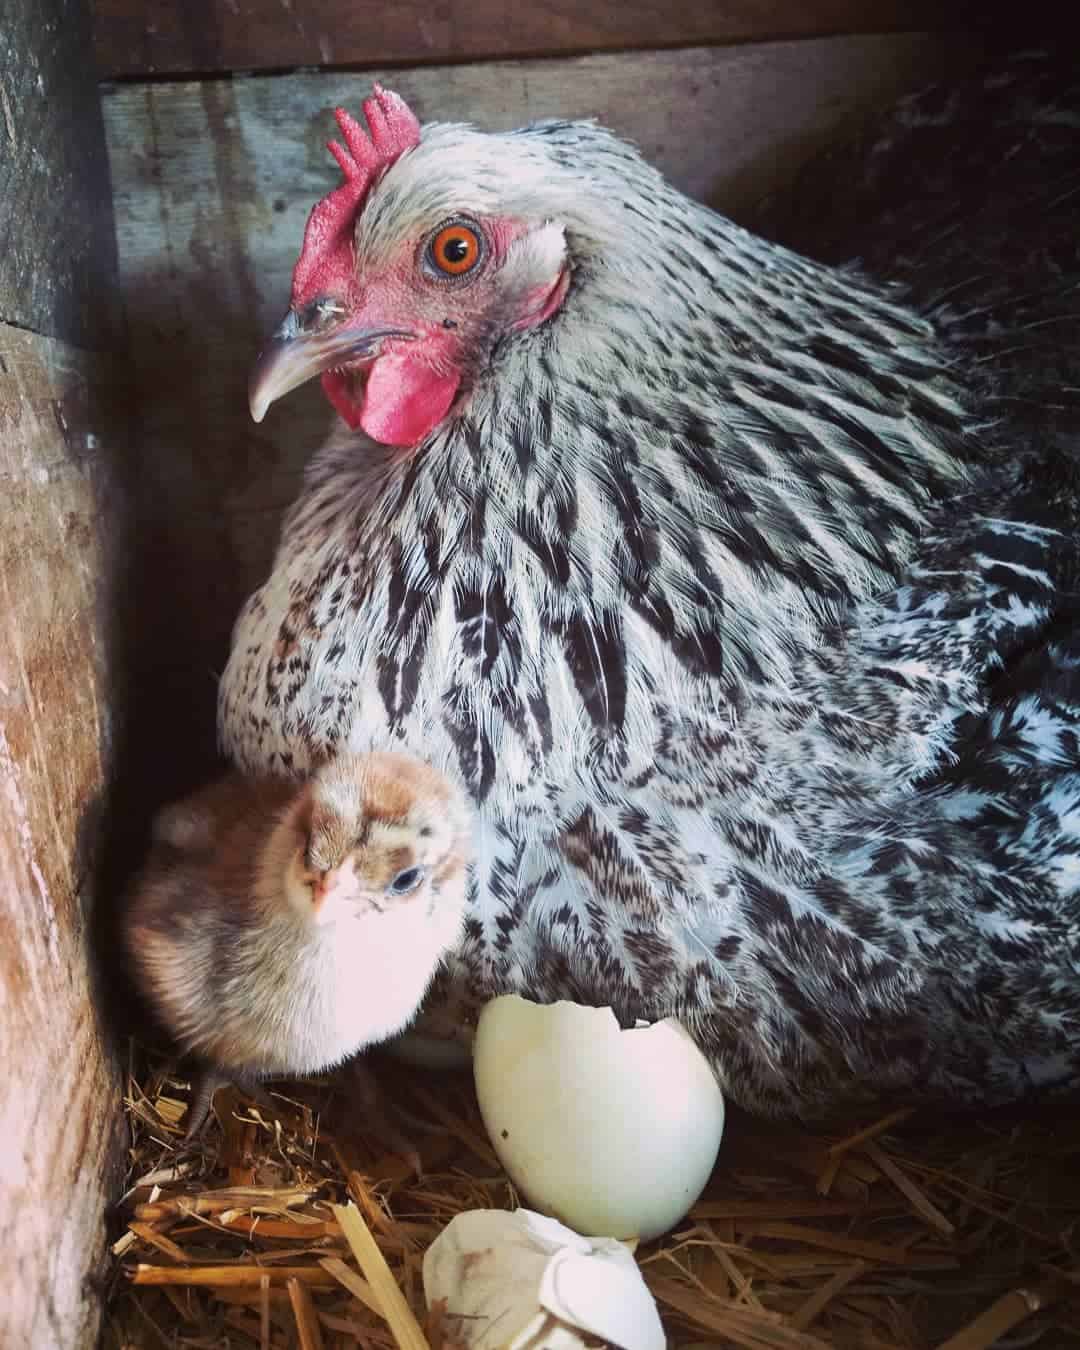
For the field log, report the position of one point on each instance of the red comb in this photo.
(325, 264)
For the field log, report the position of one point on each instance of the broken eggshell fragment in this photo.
(613, 1132)
(522, 1281)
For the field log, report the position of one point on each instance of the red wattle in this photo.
(404, 399)
(338, 390)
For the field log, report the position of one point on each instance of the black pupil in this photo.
(405, 881)
(456, 250)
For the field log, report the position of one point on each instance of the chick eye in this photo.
(455, 249)
(406, 881)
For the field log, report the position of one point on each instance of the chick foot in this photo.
(205, 1085)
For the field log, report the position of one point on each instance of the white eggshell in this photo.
(612, 1132)
(522, 1281)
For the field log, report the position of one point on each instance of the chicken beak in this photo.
(304, 346)
(339, 883)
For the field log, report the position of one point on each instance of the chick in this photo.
(279, 929)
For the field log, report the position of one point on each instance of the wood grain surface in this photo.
(61, 1130)
(57, 251)
(63, 530)
(137, 38)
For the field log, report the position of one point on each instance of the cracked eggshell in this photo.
(612, 1132)
(522, 1281)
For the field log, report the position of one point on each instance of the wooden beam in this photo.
(62, 531)
(60, 1120)
(57, 251)
(139, 38)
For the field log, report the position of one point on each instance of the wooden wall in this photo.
(137, 38)
(111, 637)
(63, 524)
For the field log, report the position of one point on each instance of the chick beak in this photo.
(306, 344)
(335, 883)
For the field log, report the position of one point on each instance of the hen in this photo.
(738, 589)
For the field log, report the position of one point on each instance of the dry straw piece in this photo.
(289, 1233)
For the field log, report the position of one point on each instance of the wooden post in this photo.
(62, 542)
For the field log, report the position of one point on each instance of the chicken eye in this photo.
(455, 249)
(406, 881)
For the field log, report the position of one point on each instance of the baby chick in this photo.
(279, 929)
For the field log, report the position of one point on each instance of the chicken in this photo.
(736, 588)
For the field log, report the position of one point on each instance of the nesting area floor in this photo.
(905, 1234)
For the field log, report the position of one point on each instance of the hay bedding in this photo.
(290, 1232)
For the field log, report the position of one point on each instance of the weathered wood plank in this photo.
(142, 37)
(63, 526)
(57, 251)
(60, 1122)
(213, 182)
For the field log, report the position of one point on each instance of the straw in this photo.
(934, 1235)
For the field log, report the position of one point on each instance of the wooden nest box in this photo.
(157, 162)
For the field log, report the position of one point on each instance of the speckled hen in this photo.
(738, 589)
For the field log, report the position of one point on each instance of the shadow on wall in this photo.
(207, 490)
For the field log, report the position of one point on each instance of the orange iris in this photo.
(455, 250)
